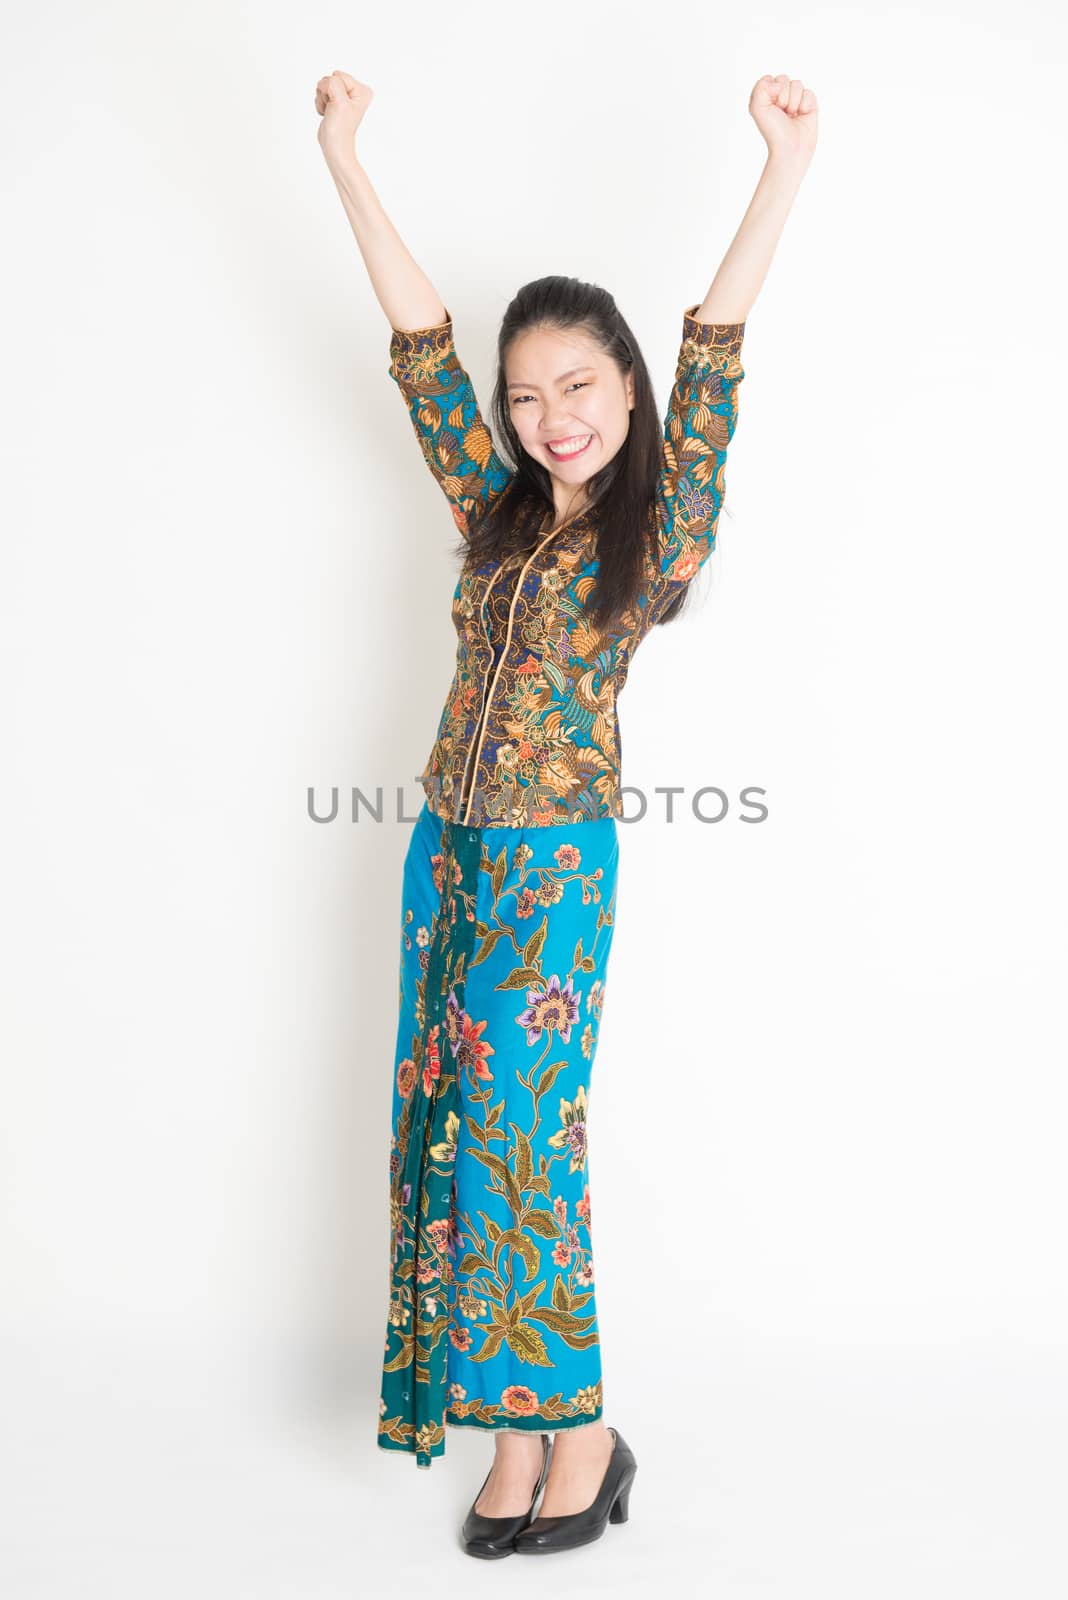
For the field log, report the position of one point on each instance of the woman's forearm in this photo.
(404, 291)
(744, 268)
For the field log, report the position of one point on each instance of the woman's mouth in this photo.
(566, 448)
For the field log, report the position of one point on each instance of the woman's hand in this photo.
(341, 102)
(786, 114)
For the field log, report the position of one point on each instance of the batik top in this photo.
(529, 735)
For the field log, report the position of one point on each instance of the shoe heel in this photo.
(621, 1504)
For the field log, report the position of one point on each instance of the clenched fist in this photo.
(786, 114)
(341, 101)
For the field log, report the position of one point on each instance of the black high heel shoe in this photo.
(611, 1504)
(493, 1536)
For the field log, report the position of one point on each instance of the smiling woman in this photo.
(582, 534)
(569, 404)
(541, 741)
(649, 482)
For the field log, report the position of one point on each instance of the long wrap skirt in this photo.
(492, 1321)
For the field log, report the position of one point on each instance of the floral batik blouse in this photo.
(529, 734)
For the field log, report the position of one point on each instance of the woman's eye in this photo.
(578, 384)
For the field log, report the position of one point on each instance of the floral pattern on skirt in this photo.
(492, 1319)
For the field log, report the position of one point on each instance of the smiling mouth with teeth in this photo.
(570, 447)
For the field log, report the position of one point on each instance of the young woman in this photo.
(569, 557)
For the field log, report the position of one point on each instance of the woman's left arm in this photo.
(786, 114)
(703, 407)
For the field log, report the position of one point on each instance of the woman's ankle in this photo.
(516, 1444)
(587, 1435)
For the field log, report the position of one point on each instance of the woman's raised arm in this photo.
(404, 291)
(786, 113)
(703, 407)
(456, 443)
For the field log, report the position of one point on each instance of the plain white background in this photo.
(827, 1119)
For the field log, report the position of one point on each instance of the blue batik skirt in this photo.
(492, 1320)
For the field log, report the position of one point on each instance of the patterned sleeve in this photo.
(455, 441)
(698, 427)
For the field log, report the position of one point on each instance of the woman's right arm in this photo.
(455, 441)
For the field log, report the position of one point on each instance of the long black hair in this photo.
(623, 491)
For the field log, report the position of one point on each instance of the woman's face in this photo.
(562, 387)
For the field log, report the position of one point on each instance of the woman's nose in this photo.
(553, 421)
